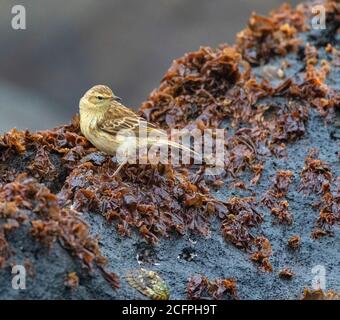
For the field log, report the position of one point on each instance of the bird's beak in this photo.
(115, 98)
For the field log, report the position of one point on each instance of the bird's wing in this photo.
(121, 118)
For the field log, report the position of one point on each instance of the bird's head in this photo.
(98, 97)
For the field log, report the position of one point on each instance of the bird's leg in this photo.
(121, 165)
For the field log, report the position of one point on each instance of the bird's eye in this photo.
(100, 97)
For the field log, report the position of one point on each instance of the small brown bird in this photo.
(103, 117)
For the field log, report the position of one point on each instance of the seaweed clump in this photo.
(329, 214)
(279, 189)
(155, 200)
(277, 34)
(240, 216)
(317, 178)
(26, 201)
(201, 288)
(71, 281)
(319, 294)
(286, 273)
(316, 174)
(294, 242)
(263, 253)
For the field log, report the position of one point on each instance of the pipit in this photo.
(108, 124)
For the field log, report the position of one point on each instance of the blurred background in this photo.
(70, 45)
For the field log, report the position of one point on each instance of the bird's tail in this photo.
(175, 145)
